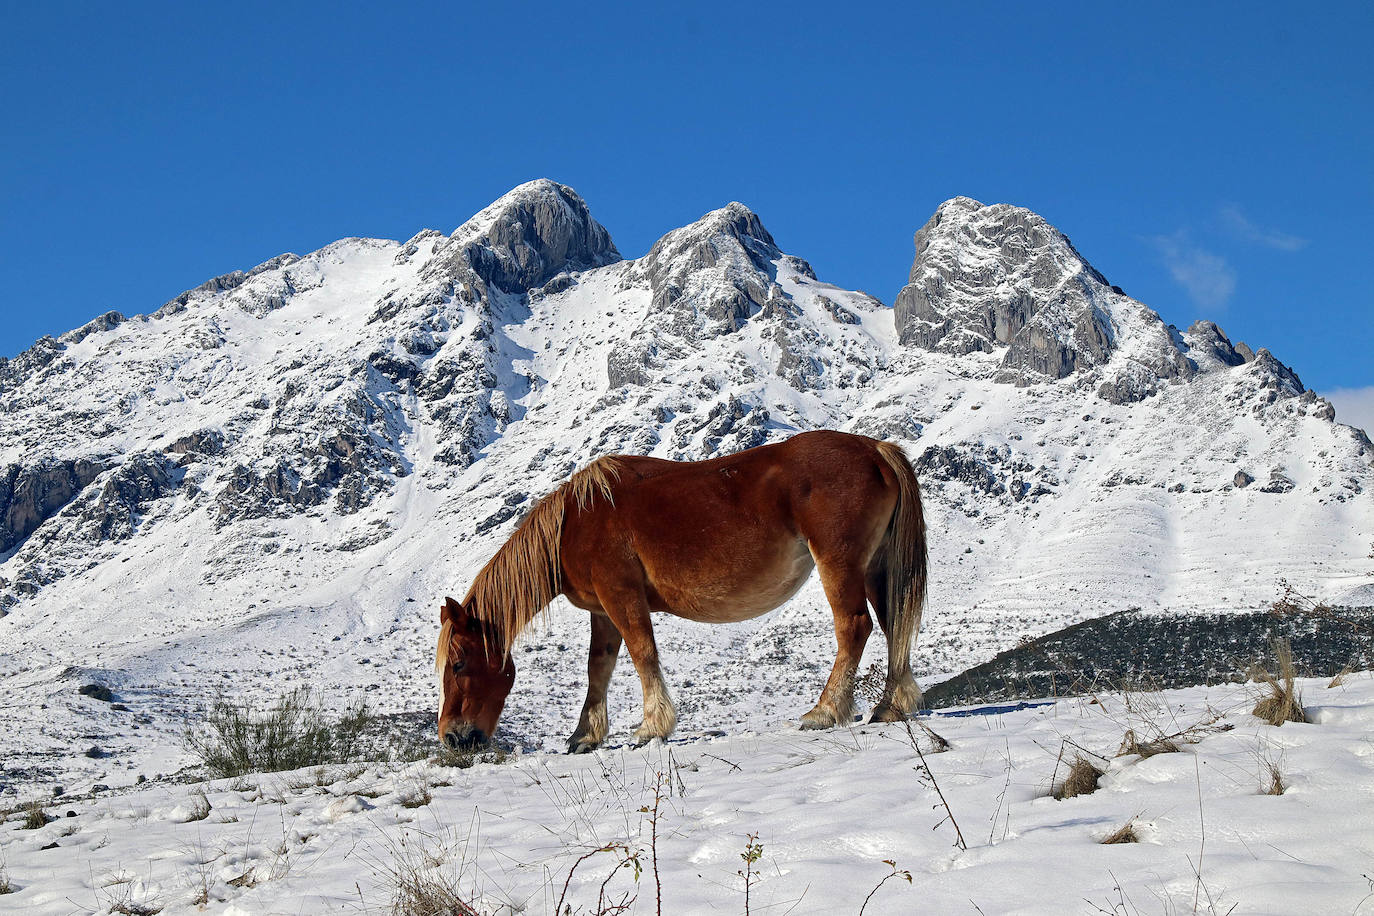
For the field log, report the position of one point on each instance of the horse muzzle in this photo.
(464, 738)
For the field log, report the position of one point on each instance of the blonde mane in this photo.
(525, 574)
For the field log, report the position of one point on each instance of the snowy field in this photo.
(827, 810)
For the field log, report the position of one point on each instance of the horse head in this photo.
(476, 673)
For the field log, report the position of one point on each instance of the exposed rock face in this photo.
(30, 495)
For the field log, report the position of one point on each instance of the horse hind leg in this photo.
(844, 589)
(901, 695)
(594, 723)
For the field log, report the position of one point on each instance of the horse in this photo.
(719, 541)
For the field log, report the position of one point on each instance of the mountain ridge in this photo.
(272, 476)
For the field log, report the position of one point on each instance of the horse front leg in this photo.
(629, 612)
(844, 589)
(594, 722)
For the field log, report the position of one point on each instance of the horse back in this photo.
(730, 537)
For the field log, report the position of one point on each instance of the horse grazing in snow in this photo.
(719, 541)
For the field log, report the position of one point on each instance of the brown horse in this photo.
(718, 541)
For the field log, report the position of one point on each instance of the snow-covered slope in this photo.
(269, 480)
(834, 812)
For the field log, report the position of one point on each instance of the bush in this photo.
(294, 732)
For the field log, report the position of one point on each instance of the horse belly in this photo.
(747, 588)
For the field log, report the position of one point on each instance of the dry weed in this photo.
(1280, 702)
(1124, 834)
(1081, 779)
(35, 816)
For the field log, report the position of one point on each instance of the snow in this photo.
(828, 808)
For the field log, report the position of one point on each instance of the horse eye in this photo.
(458, 666)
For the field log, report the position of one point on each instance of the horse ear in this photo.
(451, 610)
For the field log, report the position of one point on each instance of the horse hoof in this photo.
(816, 719)
(582, 746)
(886, 714)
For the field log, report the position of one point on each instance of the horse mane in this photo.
(525, 575)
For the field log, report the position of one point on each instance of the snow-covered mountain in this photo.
(270, 479)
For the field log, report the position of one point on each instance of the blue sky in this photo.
(1214, 160)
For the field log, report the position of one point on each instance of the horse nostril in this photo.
(451, 741)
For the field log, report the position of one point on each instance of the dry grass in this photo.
(200, 809)
(420, 892)
(1124, 834)
(1172, 743)
(1339, 679)
(416, 795)
(1081, 779)
(424, 875)
(1273, 783)
(1131, 744)
(35, 816)
(1280, 702)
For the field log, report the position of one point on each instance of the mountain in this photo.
(269, 480)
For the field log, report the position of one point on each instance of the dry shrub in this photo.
(1339, 679)
(1081, 779)
(1123, 834)
(292, 733)
(1280, 702)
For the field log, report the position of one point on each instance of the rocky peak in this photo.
(988, 277)
(1001, 280)
(715, 273)
(531, 234)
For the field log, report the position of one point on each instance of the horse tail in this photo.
(905, 560)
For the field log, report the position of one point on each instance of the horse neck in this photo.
(524, 575)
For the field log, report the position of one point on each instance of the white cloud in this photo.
(1208, 279)
(1354, 406)
(1242, 226)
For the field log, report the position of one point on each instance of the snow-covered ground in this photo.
(830, 810)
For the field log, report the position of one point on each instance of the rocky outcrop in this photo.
(106, 322)
(30, 495)
(1210, 348)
